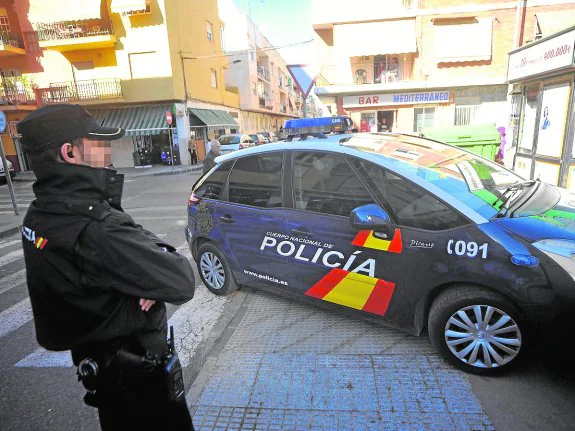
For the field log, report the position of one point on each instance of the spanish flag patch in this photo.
(365, 238)
(353, 290)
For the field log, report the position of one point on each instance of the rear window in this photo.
(228, 140)
(211, 186)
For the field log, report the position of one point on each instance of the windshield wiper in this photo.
(510, 192)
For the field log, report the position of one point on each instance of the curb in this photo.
(9, 230)
(175, 172)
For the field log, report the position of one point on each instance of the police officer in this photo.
(98, 281)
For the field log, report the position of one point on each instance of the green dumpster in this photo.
(481, 139)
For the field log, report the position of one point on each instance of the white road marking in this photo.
(9, 243)
(42, 358)
(11, 257)
(13, 280)
(20, 205)
(14, 317)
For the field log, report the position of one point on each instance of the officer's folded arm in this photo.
(139, 264)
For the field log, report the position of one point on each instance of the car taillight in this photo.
(241, 146)
(194, 199)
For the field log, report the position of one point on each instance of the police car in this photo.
(399, 229)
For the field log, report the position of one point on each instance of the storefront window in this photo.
(528, 123)
(423, 117)
(554, 106)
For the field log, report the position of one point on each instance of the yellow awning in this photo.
(124, 6)
(453, 41)
(375, 38)
(63, 10)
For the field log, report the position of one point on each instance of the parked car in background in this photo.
(235, 142)
(259, 139)
(271, 136)
(10, 169)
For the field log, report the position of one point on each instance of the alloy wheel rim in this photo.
(483, 336)
(212, 270)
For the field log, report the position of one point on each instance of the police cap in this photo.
(53, 125)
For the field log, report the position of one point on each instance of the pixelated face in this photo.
(97, 154)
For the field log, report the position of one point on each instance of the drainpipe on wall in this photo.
(518, 23)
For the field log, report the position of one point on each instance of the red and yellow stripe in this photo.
(365, 238)
(41, 243)
(353, 290)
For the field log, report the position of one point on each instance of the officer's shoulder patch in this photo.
(96, 211)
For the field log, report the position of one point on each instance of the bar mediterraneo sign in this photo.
(546, 55)
(360, 101)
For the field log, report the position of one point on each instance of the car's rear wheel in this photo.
(215, 270)
(477, 330)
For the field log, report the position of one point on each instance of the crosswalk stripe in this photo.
(19, 205)
(13, 280)
(9, 243)
(14, 317)
(11, 257)
(42, 358)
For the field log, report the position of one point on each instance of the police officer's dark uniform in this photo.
(88, 265)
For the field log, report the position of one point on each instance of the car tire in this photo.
(460, 331)
(215, 271)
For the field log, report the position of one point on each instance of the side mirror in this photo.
(372, 217)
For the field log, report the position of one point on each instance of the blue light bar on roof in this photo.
(301, 126)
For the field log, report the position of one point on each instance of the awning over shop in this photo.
(452, 41)
(214, 118)
(376, 38)
(63, 10)
(123, 6)
(136, 120)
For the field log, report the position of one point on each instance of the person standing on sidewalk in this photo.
(214, 152)
(192, 151)
(98, 281)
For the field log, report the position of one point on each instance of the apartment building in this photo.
(404, 65)
(267, 94)
(128, 62)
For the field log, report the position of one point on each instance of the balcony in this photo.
(384, 72)
(11, 45)
(265, 103)
(77, 91)
(264, 74)
(76, 35)
(15, 92)
(283, 109)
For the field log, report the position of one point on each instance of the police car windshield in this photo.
(228, 140)
(475, 181)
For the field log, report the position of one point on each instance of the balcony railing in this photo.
(368, 73)
(93, 89)
(73, 29)
(283, 109)
(13, 91)
(12, 40)
(263, 73)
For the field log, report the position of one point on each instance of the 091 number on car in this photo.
(470, 249)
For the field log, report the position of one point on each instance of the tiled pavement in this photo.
(292, 366)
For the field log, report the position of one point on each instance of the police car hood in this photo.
(555, 223)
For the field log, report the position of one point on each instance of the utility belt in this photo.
(121, 365)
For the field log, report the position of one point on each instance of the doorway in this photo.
(385, 121)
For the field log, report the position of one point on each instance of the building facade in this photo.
(403, 65)
(127, 62)
(267, 94)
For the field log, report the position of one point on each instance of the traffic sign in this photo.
(304, 76)
(169, 117)
(2, 121)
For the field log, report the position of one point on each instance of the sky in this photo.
(284, 22)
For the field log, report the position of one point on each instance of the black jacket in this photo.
(88, 264)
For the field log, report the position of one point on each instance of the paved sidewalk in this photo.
(10, 223)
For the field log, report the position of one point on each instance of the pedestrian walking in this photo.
(98, 281)
(214, 152)
(192, 150)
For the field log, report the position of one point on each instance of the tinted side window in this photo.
(325, 183)
(211, 186)
(412, 206)
(256, 181)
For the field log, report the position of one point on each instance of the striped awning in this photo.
(136, 120)
(214, 118)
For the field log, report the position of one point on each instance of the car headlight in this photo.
(561, 251)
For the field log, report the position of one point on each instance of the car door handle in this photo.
(227, 218)
(302, 232)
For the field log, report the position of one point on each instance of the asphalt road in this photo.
(38, 390)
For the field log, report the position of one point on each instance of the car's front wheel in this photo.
(215, 270)
(477, 330)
